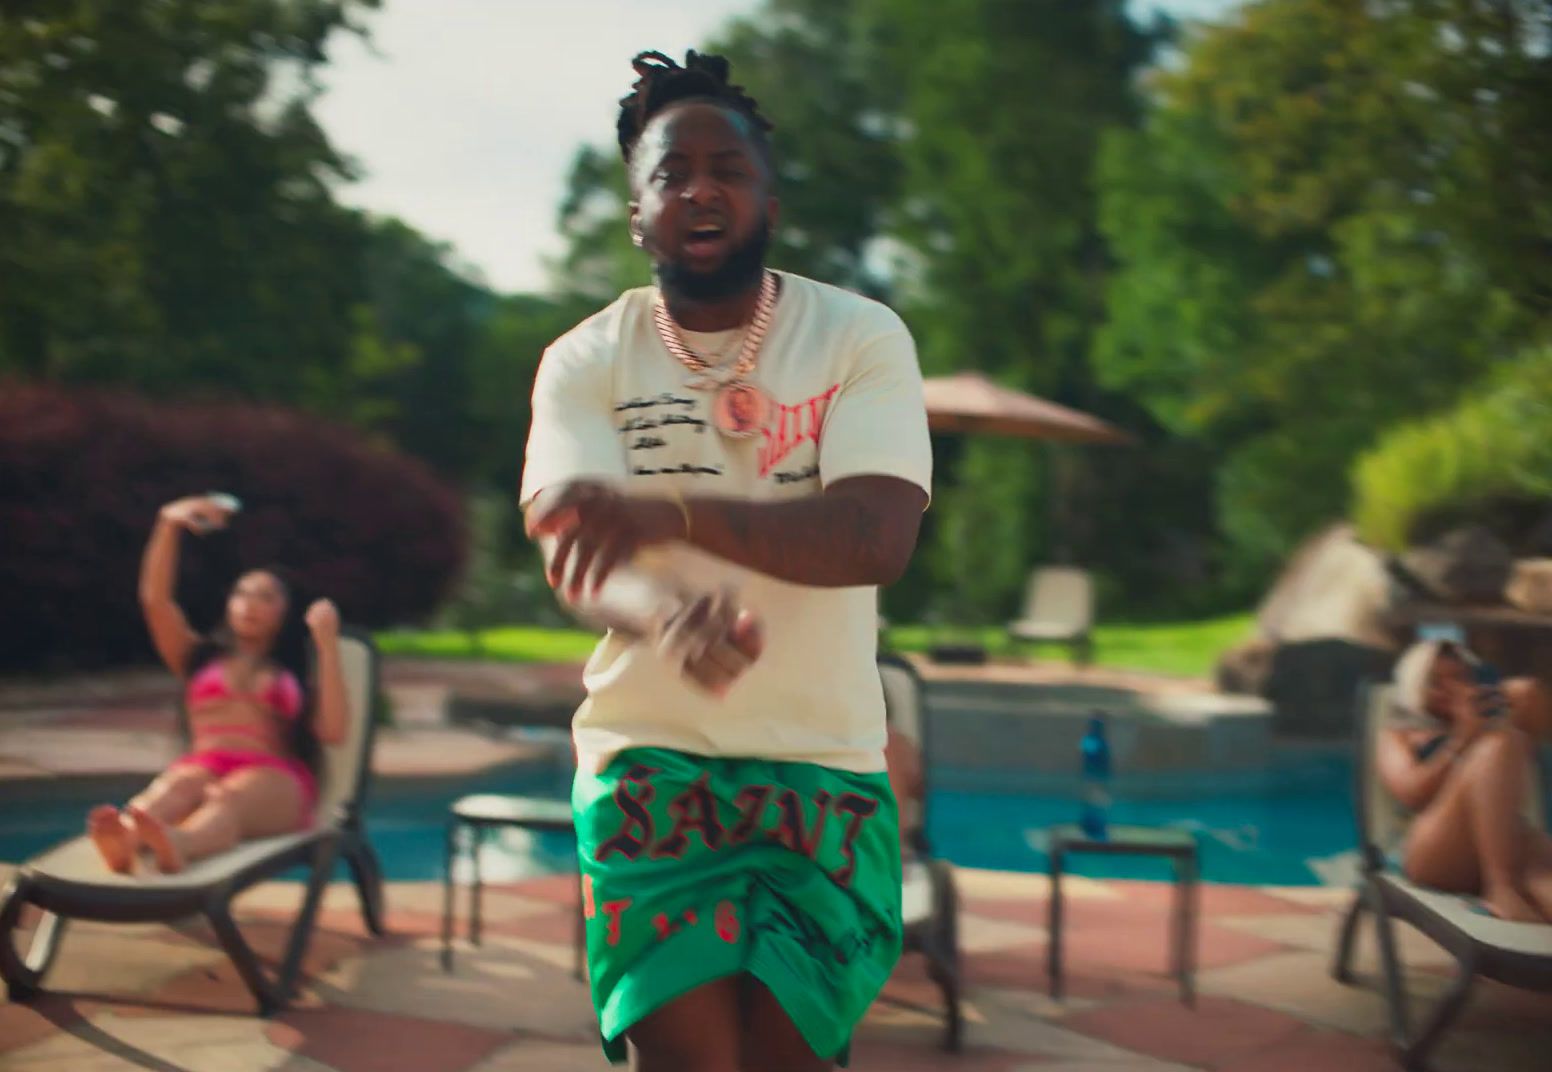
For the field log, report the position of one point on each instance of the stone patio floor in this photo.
(165, 999)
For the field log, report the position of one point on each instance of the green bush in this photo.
(1478, 461)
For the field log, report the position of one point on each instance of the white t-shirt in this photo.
(611, 403)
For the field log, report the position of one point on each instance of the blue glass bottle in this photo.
(1096, 780)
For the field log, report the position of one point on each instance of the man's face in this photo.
(703, 208)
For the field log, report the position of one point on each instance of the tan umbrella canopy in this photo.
(969, 402)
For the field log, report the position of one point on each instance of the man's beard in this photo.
(741, 271)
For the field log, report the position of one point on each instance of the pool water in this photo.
(1295, 830)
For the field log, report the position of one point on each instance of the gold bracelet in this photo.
(684, 509)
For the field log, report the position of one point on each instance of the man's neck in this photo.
(721, 314)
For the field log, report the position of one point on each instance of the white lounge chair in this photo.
(1517, 954)
(70, 881)
(929, 901)
(1058, 609)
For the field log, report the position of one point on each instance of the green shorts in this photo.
(697, 868)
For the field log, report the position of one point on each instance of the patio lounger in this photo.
(929, 901)
(1058, 608)
(70, 881)
(1516, 954)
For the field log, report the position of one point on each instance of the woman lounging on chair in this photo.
(255, 721)
(1459, 758)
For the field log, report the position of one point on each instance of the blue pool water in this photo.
(1292, 830)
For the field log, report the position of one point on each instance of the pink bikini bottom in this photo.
(221, 762)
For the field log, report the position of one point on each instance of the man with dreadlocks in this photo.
(721, 470)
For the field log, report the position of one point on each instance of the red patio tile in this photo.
(555, 926)
(268, 932)
(1216, 899)
(401, 924)
(909, 985)
(1031, 911)
(1325, 1050)
(1496, 1005)
(355, 1040)
(1141, 945)
(923, 1055)
(215, 989)
(22, 1025)
(556, 889)
(1216, 1031)
(1024, 968)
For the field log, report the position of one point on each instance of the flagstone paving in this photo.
(164, 999)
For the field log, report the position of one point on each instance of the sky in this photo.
(463, 115)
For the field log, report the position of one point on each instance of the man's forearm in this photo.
(629, 601)
(828, 541)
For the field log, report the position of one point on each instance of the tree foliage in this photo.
(166, 195)
(1335, 217)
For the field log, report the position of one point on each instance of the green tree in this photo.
(940, 156)
(1004, 105)
(805, 62)
(429, 309)
(600, 261)
(513, 336)
(1335, 217)
(166, 195)
(1001, 106)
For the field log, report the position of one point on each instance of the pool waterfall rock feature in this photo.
(1341, 612)
(1464, 565)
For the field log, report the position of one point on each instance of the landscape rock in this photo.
(1467, 565)
(1530, 586)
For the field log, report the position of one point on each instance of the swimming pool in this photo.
(1294, 828)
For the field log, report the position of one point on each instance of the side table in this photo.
(484, 811)
(1178, 846)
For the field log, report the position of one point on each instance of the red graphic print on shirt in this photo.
(789, 426)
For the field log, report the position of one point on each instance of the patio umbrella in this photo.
(970, 402)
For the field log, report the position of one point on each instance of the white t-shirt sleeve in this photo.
(877, 424)
(573, 434)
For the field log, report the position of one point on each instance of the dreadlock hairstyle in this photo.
(663, 82)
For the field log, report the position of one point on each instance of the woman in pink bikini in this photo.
(254, 725)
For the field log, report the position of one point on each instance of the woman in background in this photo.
(1460, 758)
(254, 719)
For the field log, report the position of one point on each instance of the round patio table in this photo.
(479, 813)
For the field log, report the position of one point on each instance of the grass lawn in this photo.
(1183, 648)
(1187, 649)
(518, 644)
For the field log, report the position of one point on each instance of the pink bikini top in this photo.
(283, 696)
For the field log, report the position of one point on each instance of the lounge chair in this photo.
(929, 900)
(1517, 954)
(70, 881)
(1058, 609)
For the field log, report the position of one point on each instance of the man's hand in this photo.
(597, 529)
(711, 641)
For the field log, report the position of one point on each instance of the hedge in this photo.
(1488, 460)
(82, 475)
